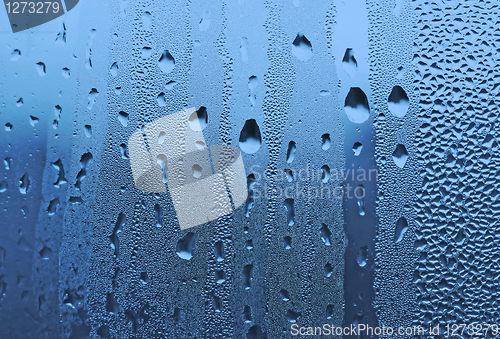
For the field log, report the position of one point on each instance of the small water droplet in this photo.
(290, 154)
(325, 141)
(40, 67)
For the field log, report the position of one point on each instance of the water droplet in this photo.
(247, 314)
(146, 21)
(58, 165)
(400, 155)
(362, 256)
(146, 52)
(357, 148)
(40, 67)
(328, 270)
(356, 106)
(249, 244)
(24, 183)
(329, 311)
(111, 303)
(185, 246)
(15, 55)
(161, 100)
(197, 171)
(290, 154)
(65, 72)
(250, 139)
(170, 85)
(292, 316)
(349, 63)
(285, 296)
(289, 174)
(359, 193)
(88, 131)
(247, 276)
(3, 186)
(114, 240)
(287, 241)
(250, 199)
(123, 118)
(158, 215)
(326, 235)
(252, 85)
(8, 126)
(144, 278)
(398, 102)
(114, 69)
(401, 228)
(325, 141)
(302, 48)
(220, 277)
(325, 173)
(7, 163)
(46, 253)
(290, 211)
(219, 251)
(166, 63)
(123, 151)
(198, 120)
(92, 98)
(53, 205)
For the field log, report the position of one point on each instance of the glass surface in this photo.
(250, 169)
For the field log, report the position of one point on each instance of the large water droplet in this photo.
(398, 102)
(24, 183)
(400, 155)
(250, 139)
(166, 62)
(302, 48)
(401, 228)
(290, 154)
(92, 98)
(292, 316)
(40, 67)
(325, 141)
(185, 246)
(114, 69)
(123, 118)
(356, 106)
(349, 63)
(198, 120)
(326, 235)
(362, 256)
(158, 215)
(247, 276)
(357, 148)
